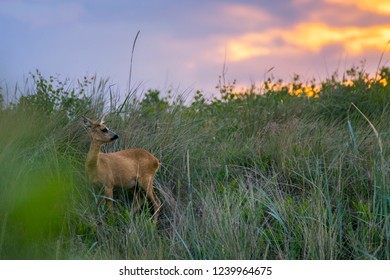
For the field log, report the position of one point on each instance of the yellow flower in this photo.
(383, 82)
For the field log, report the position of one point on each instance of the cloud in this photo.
(254, 39)
(227, 17)
(306, 37)
(245, 14)
(376, 6)
(355, 40)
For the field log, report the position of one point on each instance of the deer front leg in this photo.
(108, 192)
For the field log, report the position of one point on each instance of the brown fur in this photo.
(123, 169)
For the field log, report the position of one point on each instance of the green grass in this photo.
(269, 176)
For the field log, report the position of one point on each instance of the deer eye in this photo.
(104, 130)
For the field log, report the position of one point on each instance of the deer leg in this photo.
(108, 192)
(147, 186)
(138, 200)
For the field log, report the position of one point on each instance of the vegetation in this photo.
(280, 171)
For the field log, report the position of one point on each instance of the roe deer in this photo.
(123, 169)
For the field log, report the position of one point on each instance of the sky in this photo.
(188, 45)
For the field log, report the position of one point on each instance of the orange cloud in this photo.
(355, 40)
(307, 37)
(377, 6)
(248, 46)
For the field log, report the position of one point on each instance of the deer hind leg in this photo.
(147, 185)
(108, 192)
(138, 200)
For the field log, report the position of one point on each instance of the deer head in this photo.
(99, 132)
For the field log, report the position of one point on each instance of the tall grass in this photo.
(250, 176)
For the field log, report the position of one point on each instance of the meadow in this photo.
(277, 171)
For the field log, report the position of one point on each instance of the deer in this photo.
(126, 169)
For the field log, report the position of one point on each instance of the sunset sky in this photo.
(184, 44)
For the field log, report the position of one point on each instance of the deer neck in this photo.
(92, 162)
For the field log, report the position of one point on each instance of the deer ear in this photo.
(101, 119)
(87, 122)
